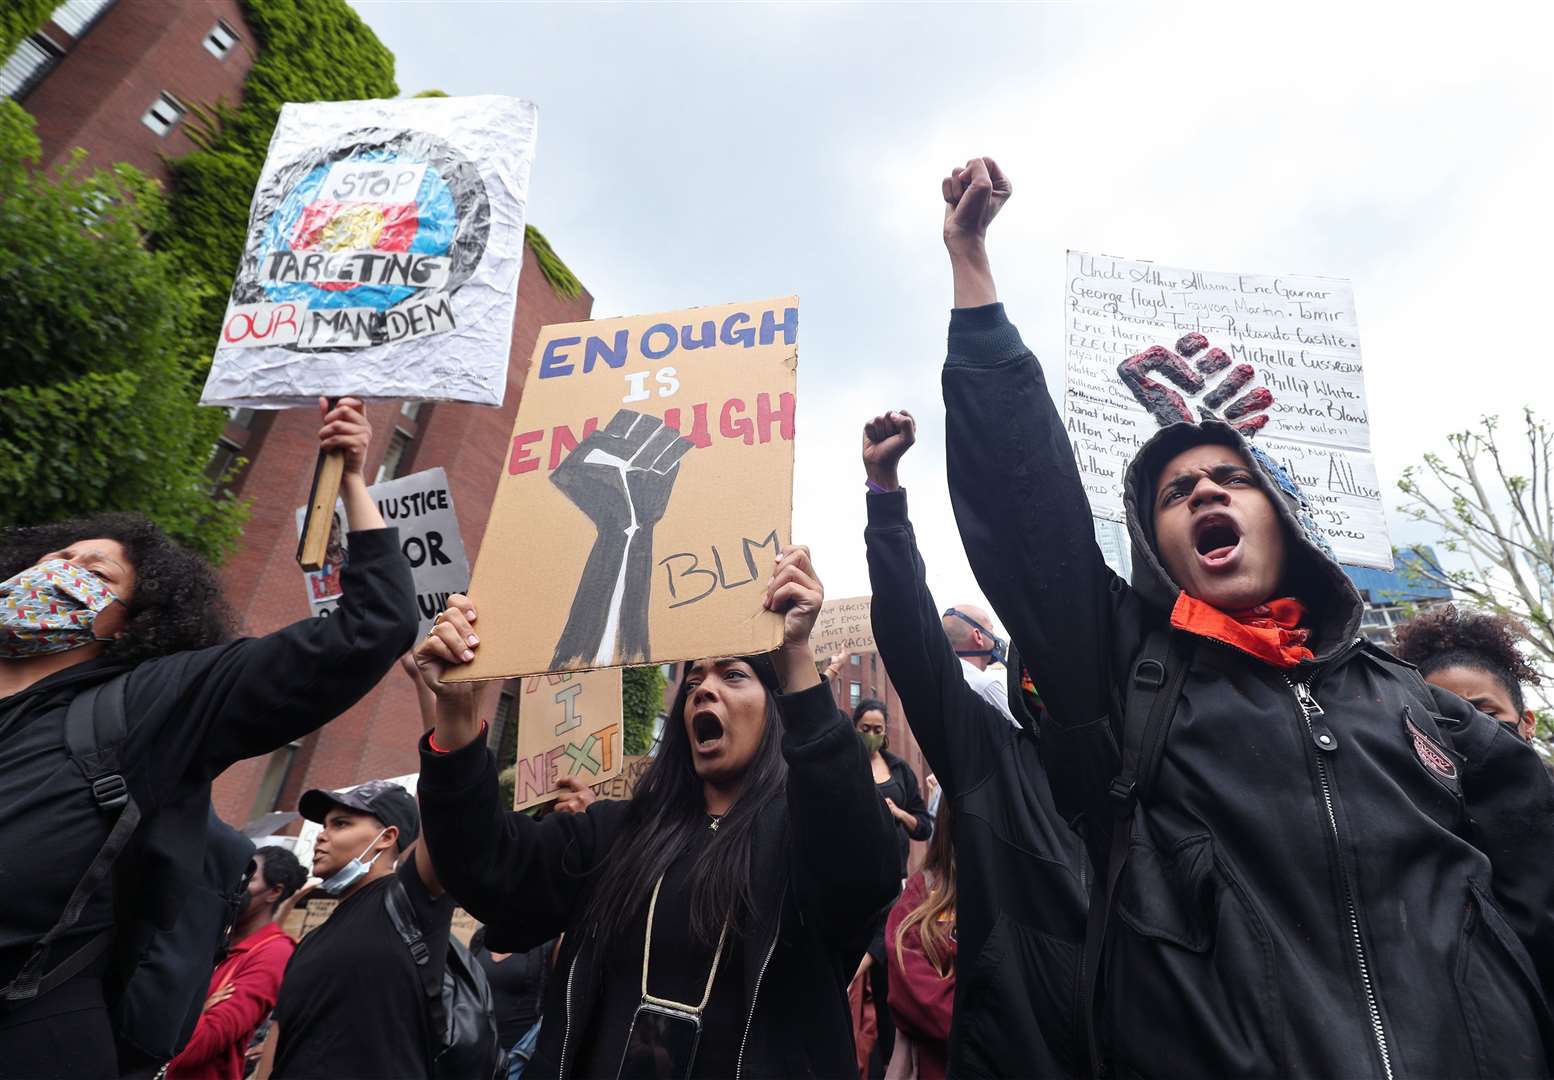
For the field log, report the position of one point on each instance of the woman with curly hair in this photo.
(1474, 655)
(110, 605)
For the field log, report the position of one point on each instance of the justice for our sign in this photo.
(645, 493)
(568, 725)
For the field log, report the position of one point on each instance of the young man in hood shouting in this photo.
(1327, 868)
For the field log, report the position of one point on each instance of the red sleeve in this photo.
(920, 1000)
(257, 983)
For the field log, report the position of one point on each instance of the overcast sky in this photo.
(699, 154)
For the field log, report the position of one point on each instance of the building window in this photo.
(164, 114)
(394, 459)
(75, 17)
(411, 410)
(503, 736)
(33, 58)
(222, 457)
(243, 418)
(274, 782)
(854, 694)
(220, 40)
(855, 660)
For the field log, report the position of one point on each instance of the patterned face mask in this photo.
(50, 608)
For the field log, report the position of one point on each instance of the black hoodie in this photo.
(1367, 892)
(1020, 873)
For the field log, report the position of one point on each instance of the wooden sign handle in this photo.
(327, 473)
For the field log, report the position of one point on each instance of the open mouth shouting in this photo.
(707, 732)
(1217, 539)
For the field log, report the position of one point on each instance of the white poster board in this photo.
(384, 244)
(421, 507)
(1278, 357)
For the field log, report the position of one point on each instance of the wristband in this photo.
(875, 488)
(431, 739)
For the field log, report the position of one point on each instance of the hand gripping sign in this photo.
(645, 494)
(382, 257)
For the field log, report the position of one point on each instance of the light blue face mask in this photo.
(352, 872)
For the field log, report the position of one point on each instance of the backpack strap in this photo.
(1153, 691)
(95, 728)
(402, 914)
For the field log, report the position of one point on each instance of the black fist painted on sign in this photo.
(621, 476)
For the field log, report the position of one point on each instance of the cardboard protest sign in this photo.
(624, 785)
(382, 257)
(568, 725)
(645, 494)
(1276, 357)
(843, 627)
(308, 915)
(421, 506)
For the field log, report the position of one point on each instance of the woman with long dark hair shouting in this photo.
(712, 921)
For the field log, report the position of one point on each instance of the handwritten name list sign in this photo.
(1276, 357)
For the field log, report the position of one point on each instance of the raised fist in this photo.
(885, 439)
(1247, 413)
(621, 477)
(973, 196)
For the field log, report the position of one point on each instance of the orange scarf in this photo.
(1271, 632)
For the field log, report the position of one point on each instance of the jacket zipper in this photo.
(739, 1069)
(566, 1029)
(1326, 742)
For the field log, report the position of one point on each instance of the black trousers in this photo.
(885, 1040)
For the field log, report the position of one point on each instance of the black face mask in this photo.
(997, 654)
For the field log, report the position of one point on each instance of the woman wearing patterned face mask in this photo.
(109, 620)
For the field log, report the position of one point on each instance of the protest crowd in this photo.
(1203, 829)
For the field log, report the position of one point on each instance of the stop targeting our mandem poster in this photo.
(384, 244)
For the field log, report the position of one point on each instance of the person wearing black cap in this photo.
(351, 1003)
(1312, 863)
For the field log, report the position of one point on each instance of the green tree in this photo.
(642, 699)
(97, 394)
(1497, 519)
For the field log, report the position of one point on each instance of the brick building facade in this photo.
(119, 78)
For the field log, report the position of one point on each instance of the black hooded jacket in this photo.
(823, 861)
(1368, 892)
(1020, 872)
(189, 716)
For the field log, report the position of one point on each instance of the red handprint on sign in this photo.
(1247, 413)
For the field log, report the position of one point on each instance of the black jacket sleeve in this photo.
(219, 705)
(843, 849)
(919, 658)
(1023, 514)
(1025, 522)
(1510, 803)
(523, 878)
(912, 801)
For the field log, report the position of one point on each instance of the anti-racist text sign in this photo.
(421, 507)
(382, 258)
(645, 494)
(843, 627)
(568, 725)
(1277, 357)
